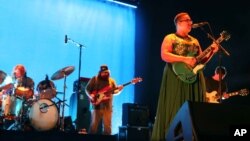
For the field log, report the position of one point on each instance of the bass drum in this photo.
(44, 115)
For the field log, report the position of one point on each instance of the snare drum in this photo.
(46, 89)
(43, 115)
(24, 92)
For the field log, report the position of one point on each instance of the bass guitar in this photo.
(105, 93)
(187, 73)
(213, 96)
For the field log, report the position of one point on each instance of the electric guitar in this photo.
(104, 94)
(213, 96)
(187, 73)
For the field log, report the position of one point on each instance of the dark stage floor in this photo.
(206, 120)
(52, 136)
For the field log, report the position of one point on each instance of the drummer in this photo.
(24, 85)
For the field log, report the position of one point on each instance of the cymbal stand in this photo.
(59, 102)
(63, 101)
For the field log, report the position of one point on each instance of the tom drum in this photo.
(46, 89)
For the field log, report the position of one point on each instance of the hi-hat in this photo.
(2, 73)
(62, 72)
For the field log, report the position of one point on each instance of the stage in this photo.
(53, 136)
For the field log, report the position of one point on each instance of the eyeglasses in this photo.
(187, 20)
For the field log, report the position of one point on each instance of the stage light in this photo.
(129, 3)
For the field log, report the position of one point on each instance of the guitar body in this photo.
(212, 97)
(105, 93)
(186, 73)
(102, 95)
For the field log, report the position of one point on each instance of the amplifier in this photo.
(135, 115)
(82, 85)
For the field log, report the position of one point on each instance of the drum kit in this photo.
(19, 110)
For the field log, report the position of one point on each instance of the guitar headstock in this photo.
(243, 92)
(136, 80)
(225, 35)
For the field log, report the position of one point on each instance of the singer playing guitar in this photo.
(179, 49)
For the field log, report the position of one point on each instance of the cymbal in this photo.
(62, 72)
(2, 73)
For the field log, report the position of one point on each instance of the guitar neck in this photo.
(224, 36)
(111, 90)
(233, 93)
(200, 57)
(126, 84)
(242, 92)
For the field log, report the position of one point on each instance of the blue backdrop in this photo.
(32, 33)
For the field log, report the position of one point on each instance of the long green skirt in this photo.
(173, 93)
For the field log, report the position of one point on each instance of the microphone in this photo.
(66, 39)
(199, 24)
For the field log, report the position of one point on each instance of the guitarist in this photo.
(212, 85)
(178, 47)
(102, 83)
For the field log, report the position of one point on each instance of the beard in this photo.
(104, 77)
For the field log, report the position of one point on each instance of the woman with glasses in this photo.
(180, 51)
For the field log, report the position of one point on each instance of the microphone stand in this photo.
(213, 39)
(221, 49)
(220, 76)
(79, 68)
(80, 56)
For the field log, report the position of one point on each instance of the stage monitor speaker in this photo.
(135, 115)
(197, 121)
